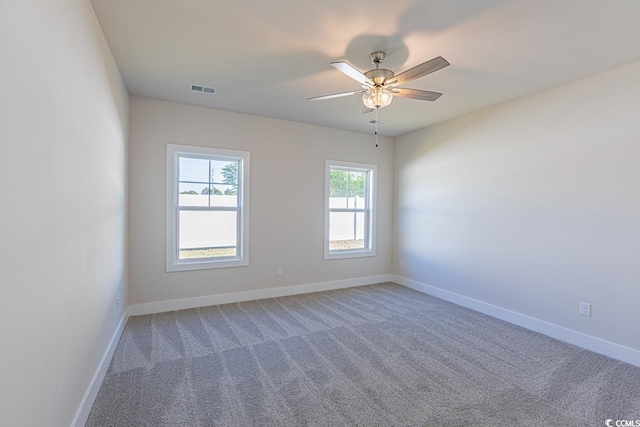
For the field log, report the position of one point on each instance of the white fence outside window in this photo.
(218, 229)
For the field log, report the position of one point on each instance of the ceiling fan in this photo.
(380, 85)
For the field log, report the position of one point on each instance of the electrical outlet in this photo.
(118, 300)
(401, 263)
(279, 271)
(585, 309)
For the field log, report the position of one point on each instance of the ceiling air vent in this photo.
(203, 89)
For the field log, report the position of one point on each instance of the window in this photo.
(207, 208)
(349, 217)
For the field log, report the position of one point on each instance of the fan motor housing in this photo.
(379, 76)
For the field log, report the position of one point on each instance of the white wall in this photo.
(532, 206)
(287, 199)
(63, 133)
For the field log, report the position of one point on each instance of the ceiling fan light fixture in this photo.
(377, 97)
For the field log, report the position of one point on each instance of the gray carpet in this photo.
(380, 355)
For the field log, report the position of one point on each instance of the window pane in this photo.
(194, 170)
(346, 230)
(338, 183)
(224, 172)
(344, 187)
(344, 183)
(207, 234)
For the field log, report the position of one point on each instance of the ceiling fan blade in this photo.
(423, 95)
(366, 110)
(421, 70)
(352, 72)
(335, 95)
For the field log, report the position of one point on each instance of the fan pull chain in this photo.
(376, 127)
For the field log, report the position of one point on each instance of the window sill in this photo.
(205, 265)
(349, 254)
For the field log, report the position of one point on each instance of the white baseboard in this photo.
(185, 303)
(92, 391)
(597, 345)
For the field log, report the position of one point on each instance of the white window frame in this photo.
(173, 263)
(369, 210)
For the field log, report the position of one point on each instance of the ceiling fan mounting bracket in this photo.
(377, 57)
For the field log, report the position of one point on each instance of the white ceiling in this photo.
(266, 57)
